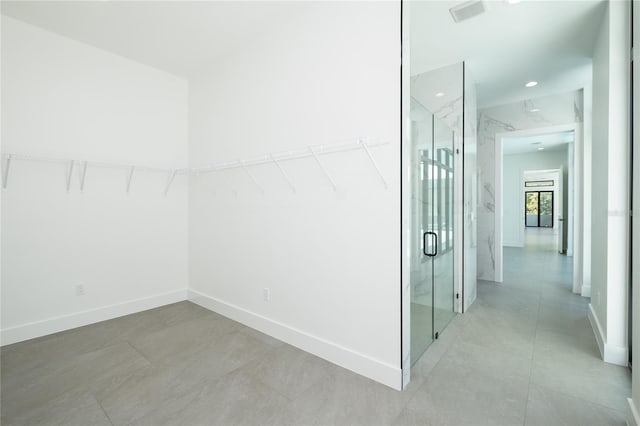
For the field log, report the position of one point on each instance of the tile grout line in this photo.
(138, 352)
(259, 380)
(102, 408)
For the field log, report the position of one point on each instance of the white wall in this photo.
(65, 99)
(583, 285)
(330, 259)
(599, 173)
(633, 416)
(406, 197)
(514, 167)
(610, 171)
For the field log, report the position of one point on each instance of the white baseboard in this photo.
(53, 325)
(618, 355)
(586, 290)
(597, 330)
(611, 354)
(512, 244)
(633, 419)
(359, 363)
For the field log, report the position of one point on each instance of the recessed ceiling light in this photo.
(541, 148)
(531, 84)
(535, 110)
(439, 95)
(513, 1)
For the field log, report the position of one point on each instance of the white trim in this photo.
(586, 290)
(571, 195)
(597, 330)
(360, 363)
(618, 355)
(498, 222)
(539, 131)
(522, 201)
(519, 244)
(610, 354)
(497, 212)
(633, 419)
(405, 228)
(65, 322)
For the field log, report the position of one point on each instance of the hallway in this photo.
(524, 353)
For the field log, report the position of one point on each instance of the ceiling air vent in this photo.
(467, 10)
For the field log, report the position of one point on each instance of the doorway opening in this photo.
(537, 190)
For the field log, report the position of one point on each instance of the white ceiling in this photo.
(176, 36)
(547, 41)
(527, 144)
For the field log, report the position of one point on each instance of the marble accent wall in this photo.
(448, 82)
(561, 109)
(470, 192)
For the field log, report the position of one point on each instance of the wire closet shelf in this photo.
(275, 158)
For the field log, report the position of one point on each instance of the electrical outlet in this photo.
(266, 294)
(80, 290)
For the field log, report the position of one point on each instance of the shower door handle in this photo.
(435, 245)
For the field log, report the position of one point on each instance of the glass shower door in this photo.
(421, 219)
(443, 225)
(432, 222)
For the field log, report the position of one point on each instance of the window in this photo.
(538, 209)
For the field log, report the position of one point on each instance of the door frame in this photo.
(576, 199)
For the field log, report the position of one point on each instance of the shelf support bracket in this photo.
(70, 167)
(83, 174)
(363, 143)
(172, 175)
(129, 177)
(284, 174)
(6, 164)
(315, 155)
(255, 181)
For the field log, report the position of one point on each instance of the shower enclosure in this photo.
(431, 255)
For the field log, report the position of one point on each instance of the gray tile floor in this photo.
(524, 354)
